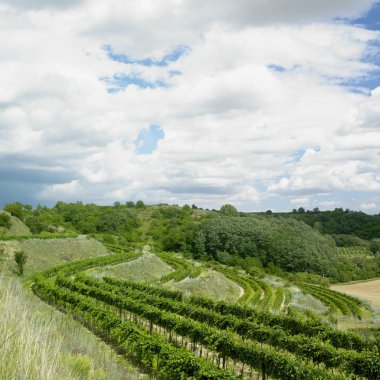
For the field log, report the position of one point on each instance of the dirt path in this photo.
(369, 290)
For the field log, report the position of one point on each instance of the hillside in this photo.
(168, 286)
(16, 228)
(45, 253)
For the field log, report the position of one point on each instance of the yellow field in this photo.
(369, 290)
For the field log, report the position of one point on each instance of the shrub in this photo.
(5, 220)
(20, 258)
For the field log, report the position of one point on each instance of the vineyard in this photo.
(178, 337)
(354, 251)
(345, 304)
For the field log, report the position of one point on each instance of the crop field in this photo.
(368, 290)
(177, 337)
(355, 251)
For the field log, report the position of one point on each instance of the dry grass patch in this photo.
(147, 268)
(37, 342)
(368, 290)
(209, 284)
(45, 253)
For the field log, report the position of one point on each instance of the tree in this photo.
(35, 224)
(140, 204)
(228, 210)
(375, 246)
(301, 210)
(20, 258)
(5, 220)
(15, 209)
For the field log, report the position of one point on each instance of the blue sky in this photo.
(147, 139)
(266, 105)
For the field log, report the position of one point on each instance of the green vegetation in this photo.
(37, 342)
(182, 267)
(187, 292)
(20, 258)
(346, 304)
(45, 253)
(286, 243)
(228, 210)
(209, 284)
(148, 267)
(5, 220)
(130, 313)
(340, 221)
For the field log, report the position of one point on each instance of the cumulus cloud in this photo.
(259, 106)
(368, 206)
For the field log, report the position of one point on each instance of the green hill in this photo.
(289, 244)
(17, 227)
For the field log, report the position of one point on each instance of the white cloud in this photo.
(368, 206)
(232, 123)
(70, 190)
(300, 202)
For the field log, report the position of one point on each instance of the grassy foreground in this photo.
(37, 342)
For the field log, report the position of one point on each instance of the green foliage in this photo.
(2, 255)
(234, 332)
(5, 220)
(344, 240)
(341, 222)
(310, 278)
(35, 224)
(16, 209)
(172, 227)
(228, 210)
(288, 244)
(346, 304)
(375, 246)
(20, 258)
(140, 204)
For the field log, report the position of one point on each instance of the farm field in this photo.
(176, 336)
(176, 316)
(367, 290)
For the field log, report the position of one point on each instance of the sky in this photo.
(265, 104)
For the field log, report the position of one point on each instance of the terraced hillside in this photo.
(177, 337)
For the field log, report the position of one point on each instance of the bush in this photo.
(15, 209)
(20, 258)
(5, 220)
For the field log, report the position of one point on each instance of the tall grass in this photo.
(39, 343)
(27, 349)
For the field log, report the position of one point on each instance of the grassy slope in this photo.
(148, 268)
(43, 254)
(209, 284)
(18, 228)
(37, 342)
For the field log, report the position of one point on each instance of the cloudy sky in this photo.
(266, 104)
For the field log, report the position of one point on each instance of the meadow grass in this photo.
(147, 268)
(209, 284)
(17, 228)
(43, 254)
(39, 343)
